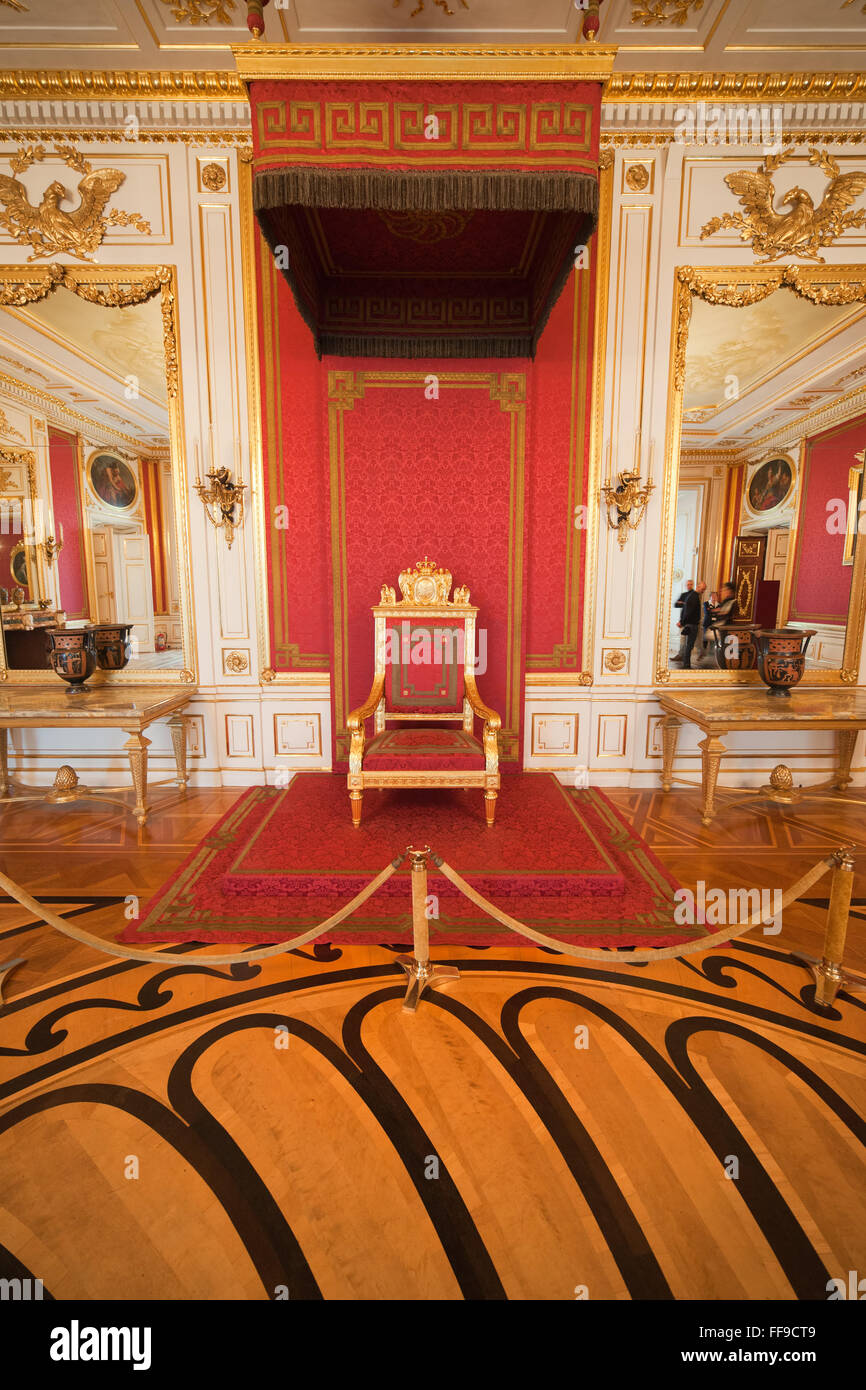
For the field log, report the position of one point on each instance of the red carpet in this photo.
(560, 860)
(542, 843)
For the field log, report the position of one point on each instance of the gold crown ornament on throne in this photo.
(426, 584)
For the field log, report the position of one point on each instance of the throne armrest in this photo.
(491, 719)
(355, 721)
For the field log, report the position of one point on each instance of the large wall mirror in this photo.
(765, 450)
(92, 480)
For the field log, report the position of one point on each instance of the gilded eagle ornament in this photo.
(803, 229)
(49, 229)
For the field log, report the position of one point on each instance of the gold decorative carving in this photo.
(627, 498)
(223, 501)
(735, 86)
(14, 5)
(9, 430)
(428, 584)
(605, 159)
(637, 177)
(236, 663)
(614, 661)
(47, 229)
(803, 230)
(663, 11)
(69, 84)
(268, 675)
(443, 5)
(201, 11)
(213, 176)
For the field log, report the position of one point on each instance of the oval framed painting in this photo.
(770, 485)
(18, 565)
(112, 481)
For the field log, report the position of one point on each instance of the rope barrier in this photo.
(113, 948)
(422, 972)
(644, 953)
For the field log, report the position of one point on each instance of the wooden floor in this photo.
(687, 1130)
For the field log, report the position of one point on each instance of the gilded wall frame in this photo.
(736, 288)
(112, 287)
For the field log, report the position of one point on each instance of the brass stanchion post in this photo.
(827, 972)
(418, 967)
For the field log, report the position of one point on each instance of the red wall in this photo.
(392, 475)
(821, 584)
(63, 464)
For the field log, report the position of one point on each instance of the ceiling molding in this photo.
(211, 85)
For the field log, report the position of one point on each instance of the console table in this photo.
(723, 709)
(127, 707)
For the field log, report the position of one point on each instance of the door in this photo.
(776, 561)
(748, 569)
(103, 574)
(687, 547)
(134, 600)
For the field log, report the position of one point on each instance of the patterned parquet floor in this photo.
(686, 1130)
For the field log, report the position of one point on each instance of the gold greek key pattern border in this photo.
(309, 130)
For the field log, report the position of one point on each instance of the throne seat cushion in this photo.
(424, 750)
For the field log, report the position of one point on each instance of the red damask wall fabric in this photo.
(373, 475)
(296, 479)
(413, 475)
(821, 584)
(66, 502)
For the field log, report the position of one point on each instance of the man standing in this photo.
(690, 584)
(691, 621)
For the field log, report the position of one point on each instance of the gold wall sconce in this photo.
(51, 547)
(222, 495)
(626, 501)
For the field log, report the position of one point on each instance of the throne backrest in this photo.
(424, 642)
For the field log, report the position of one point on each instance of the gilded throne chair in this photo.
(424, 684)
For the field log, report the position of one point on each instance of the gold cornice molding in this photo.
(35, 84)
(407, 62)
(735, 86)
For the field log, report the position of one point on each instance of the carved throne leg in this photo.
(356, 800)
(490, 806)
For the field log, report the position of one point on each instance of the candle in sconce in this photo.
(607, 462)
(196, 460)
(211, 445)
(652, 451)
(637, 451)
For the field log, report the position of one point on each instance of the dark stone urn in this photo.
(782, 656)
(111, 643)
(72, 655)
(736, 646)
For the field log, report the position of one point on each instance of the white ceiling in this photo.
(84, 357)
(755, 370)
(720, 35)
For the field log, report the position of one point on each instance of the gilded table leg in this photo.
(670, 736)
(177, 724)
(137, 746)
(712, 750)
(845, 741)
(4, 763)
